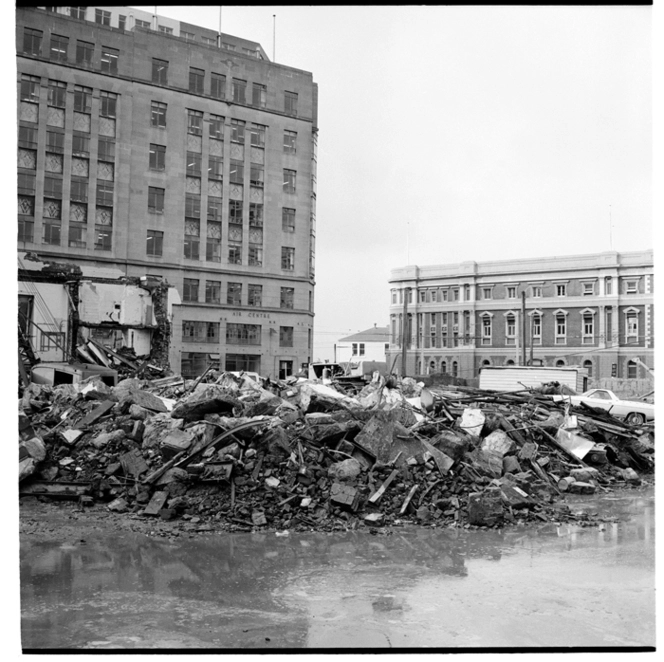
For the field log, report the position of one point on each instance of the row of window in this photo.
(439, 295)
(439, 337)
(103, 17)
(234, 297)
(236, 334)
(108, 63)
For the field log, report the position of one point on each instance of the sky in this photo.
(449, 134)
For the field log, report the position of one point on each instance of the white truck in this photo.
(519, 378)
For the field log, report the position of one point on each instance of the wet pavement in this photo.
(535, 586)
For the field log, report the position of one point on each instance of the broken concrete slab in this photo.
(156, 503)
(345, 470)
(485, 508)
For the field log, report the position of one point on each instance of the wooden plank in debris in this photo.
(83, 352)
(443, 461)
(95, 414)
(99, 354)
(53, 489)
(411, 494)
(376, 496)
(156, 503)
(115, 355)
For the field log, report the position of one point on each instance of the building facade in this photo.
(594, 310)
(368, 345)
(172, 151)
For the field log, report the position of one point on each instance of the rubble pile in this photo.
(228, 453)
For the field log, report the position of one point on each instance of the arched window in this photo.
(455, 369)
(560, 363)
(588, 365)
(432, 366)
(631, 370)
(443, 367)
(486, 362)
(509, 362)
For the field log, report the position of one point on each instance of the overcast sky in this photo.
(463, 133)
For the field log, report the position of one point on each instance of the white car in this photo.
(634, 412)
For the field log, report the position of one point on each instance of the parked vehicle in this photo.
(55, 373)
(518, 378)
(633, 411)
(366, 369)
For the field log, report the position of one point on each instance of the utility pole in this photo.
(405, 329)
(523, 327)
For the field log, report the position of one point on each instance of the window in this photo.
(51, 340)
(52, 187)
(243, 334)
(486, 330)
(79, 190)
(289, 181)
(192, 206)
(190, 289)
(106, 149)
(154, 243)
(423, 295)
(108, 102)
(55, 141)
(235, 211)
(59, 45)
(77, 233)
(287, 297)
(215, 167)
(194, 163)
(588, 328)
(80, 145)
(258, 95)
(631, 287)
(103, 17)
(158, 114)
(212, 291)
(287, 258)
(216, 127)
(608, 285)
(237, 172)
(159, 71)
(486, 292)
(157, 157)
(239, 88)
(631, 326)
(196, 80)
(588, 365)
(510, 329)
(511, 292)
(255, 295)
(78, 12)
(213, 244)
(27, 136)
(214, 208)
(234, 253)
(109, 59)
(257, 135)
(561, 328)
(165, 30)
(103, 238)
(256, 215)
(237, 131)
(255, 255)
(561, 289)
(142, 24)
(32, 40)
(256, 175)
(588, 289)
(290, 137)
(195, 122)
(57, 93)
(455, 294)
(82, 99)
(631, 370)
(30, 88)
(234, 294)
(536, 291)
(285, 336)
(122, 22)
(104, 194)
(536, 331)
(290, 103)
(217, 86)
(209, 41)
(156, 200)
(187, 36)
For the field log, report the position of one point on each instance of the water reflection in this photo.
(264, 590)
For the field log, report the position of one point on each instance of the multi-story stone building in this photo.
(590, 310)
(172, 151)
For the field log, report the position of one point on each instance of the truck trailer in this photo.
(519, 378)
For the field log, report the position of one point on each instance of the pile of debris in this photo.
(234, 454)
